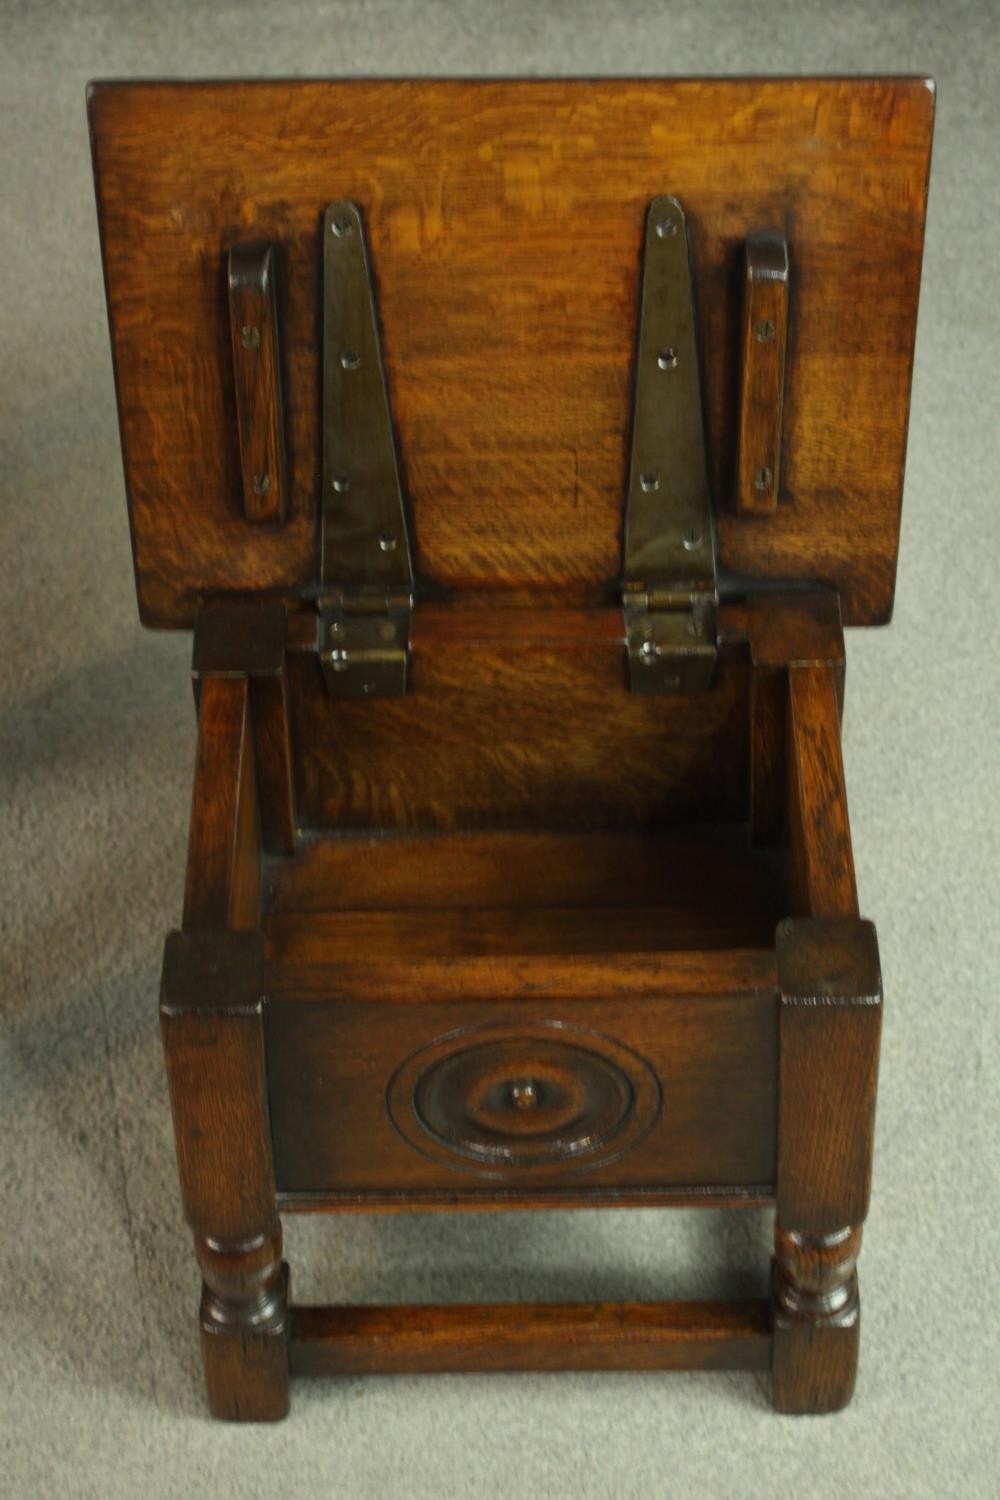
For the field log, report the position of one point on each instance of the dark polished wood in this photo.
(519, 938)
(821, 861)
(488, 737)
(253, 318)
(628, 1093)
(248, 640)
(223, 869)
(211, 1013)
(510, 214)
(571, 1336)
(709, 879)
(762, 374)
(829, 1027)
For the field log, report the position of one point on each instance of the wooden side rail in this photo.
(222, 886)
(788, 634)
(516, 1336)
(821, 860)
(246, 643)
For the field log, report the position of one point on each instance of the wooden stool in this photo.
(516, 451)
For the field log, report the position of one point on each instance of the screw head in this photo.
(261, 484)
(762, 479)
(341, 225)
(666, 227)
(342, 483)
(667, 359)
(350, 359)
(387, 542)
(650, 480)
(336, 629)
(765, 330)
(648, 653)
(524, 1095)
(339, 660)
(250, 336)
(692, 540)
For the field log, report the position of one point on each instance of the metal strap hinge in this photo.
(366, 568)
(670, 591)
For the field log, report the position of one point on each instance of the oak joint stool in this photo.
(516, 452)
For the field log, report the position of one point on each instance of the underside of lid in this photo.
(505, 224)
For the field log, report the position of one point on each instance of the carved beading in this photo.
(497, 1100)
(242, 1282)
(815, 1280)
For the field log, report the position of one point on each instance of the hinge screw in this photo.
(341, 225)
(692, 540)
(765, 330)
(387, 542)
(342, 483)
(667, 359)
(250, 337)
(650, 480)
(339, 660)
(666, 227)
(350, 359)
(648, 652)
(336, 628)
(261, 484)
(762, 479)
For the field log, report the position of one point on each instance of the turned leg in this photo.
(830, 1018)
(211, 1016)
(244, 1304)
(816, 1318)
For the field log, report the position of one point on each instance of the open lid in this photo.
(505, 224)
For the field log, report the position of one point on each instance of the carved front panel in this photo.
(386, 1102)
(493, 1099)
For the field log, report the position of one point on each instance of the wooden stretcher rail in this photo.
(509, 1336)
(758, 1195)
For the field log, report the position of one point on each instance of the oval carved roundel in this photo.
(497, 1099)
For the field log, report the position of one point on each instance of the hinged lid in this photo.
(505, 223)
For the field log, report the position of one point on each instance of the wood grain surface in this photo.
(222, 886)
(712, 870)
(566, 1336)
(331, 1067)
(496, 737)
(505, 220)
